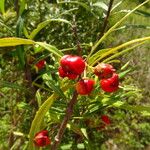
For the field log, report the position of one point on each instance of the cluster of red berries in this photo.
(109, 79)
(42, 139)
(73, 66)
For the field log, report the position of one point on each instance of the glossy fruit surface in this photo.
(41, 139)
(85, 86)
(105, 119)
(63, 74)
(110, 84)
(41, 64)
(104, 71)
(72, 64)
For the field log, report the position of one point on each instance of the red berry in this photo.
(105, 119)
(61, 72)
(72, 76)
(41, 139)
(85, 86)
(110, 84)
(72, 64)
(41, 64)
(104, 71)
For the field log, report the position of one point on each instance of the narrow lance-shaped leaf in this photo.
(44, 24)
(101, 5)
(22, 6)
(115, 49)
(50, 48)
(2, 6)
(12, 85)
(14, 41)
(117, 54)
(38, 119)
(113, 27)
(138, 108)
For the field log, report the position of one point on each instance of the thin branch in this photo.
(69, 112)
(106, 18)
(74, 29)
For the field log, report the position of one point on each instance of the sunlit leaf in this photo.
(101, 5)
(13, 41)
(115, 49)
(2, 6)
(114, 27)
(38, 119)
(50, 48)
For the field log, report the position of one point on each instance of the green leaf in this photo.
(115, 49)
(143, 13)
(20, 49)
(39, 117)
(101, 5)
(96, 56)
(37, 122)
(13, 41)
(117, 54)
(84, 132)
(44, 24)
(12, 85)
(137, 108)
(50, 48)
(113, 28)
(22, 6)
(2, 6)
(8, 28)
(75, 129)
(38, 97)
(124, 73)
(88, 8)
(116, 5)
(51, 84)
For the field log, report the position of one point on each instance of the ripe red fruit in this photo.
(104, 71)
(66, 74)
(41, 139)
(85, 86)
(105, 119)
(61, 72)
(110, 84)
(41, 64)
(72, 64)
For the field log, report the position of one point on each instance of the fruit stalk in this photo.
(69, 112)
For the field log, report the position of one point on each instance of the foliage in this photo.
(34, 99)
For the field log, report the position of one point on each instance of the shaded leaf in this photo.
(12, 85)
(51, 84)
(44, 24)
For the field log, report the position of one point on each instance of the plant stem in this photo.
(74, 29)
(69, 112)
(106, 18)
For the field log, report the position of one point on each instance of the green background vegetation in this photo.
(19, 101)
